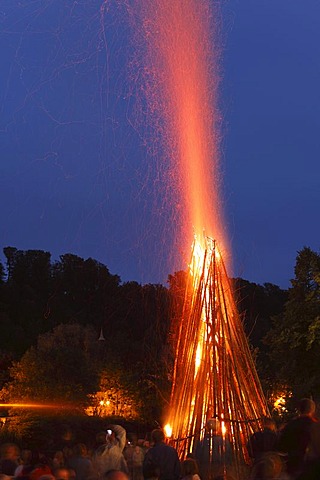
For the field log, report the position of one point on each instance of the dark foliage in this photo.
(138, 322)
(294, 340)
(37, 296)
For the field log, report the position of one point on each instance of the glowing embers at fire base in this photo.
(214, 374)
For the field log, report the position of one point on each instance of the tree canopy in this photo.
(62, 368)
(48, 308)
(294, 340)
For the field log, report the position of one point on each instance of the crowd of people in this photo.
(289, 453)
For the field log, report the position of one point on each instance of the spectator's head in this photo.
(62, 474)
(59, 456)
(267, 468)
(25, 456)
(35, 458)
(269, 424)
(213, 426)
(80, 450)
(307, 407)
(9, 451)
(72, 474)
(67, 451)
(189, 467)
(151, 471)
(101, 438)
(190, 455)
(157, 435)
(115, 475)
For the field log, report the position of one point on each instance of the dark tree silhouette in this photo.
(294, 340)
(139, 323)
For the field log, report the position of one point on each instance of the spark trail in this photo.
(181, 84)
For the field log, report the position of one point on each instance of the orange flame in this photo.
(183, 59)
(214, 375)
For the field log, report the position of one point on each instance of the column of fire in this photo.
(214, 375)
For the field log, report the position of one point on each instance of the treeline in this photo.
(74, 311)
(75, 299)
(36, 295)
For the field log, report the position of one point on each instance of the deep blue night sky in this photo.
(272, 144)
(76, 175)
